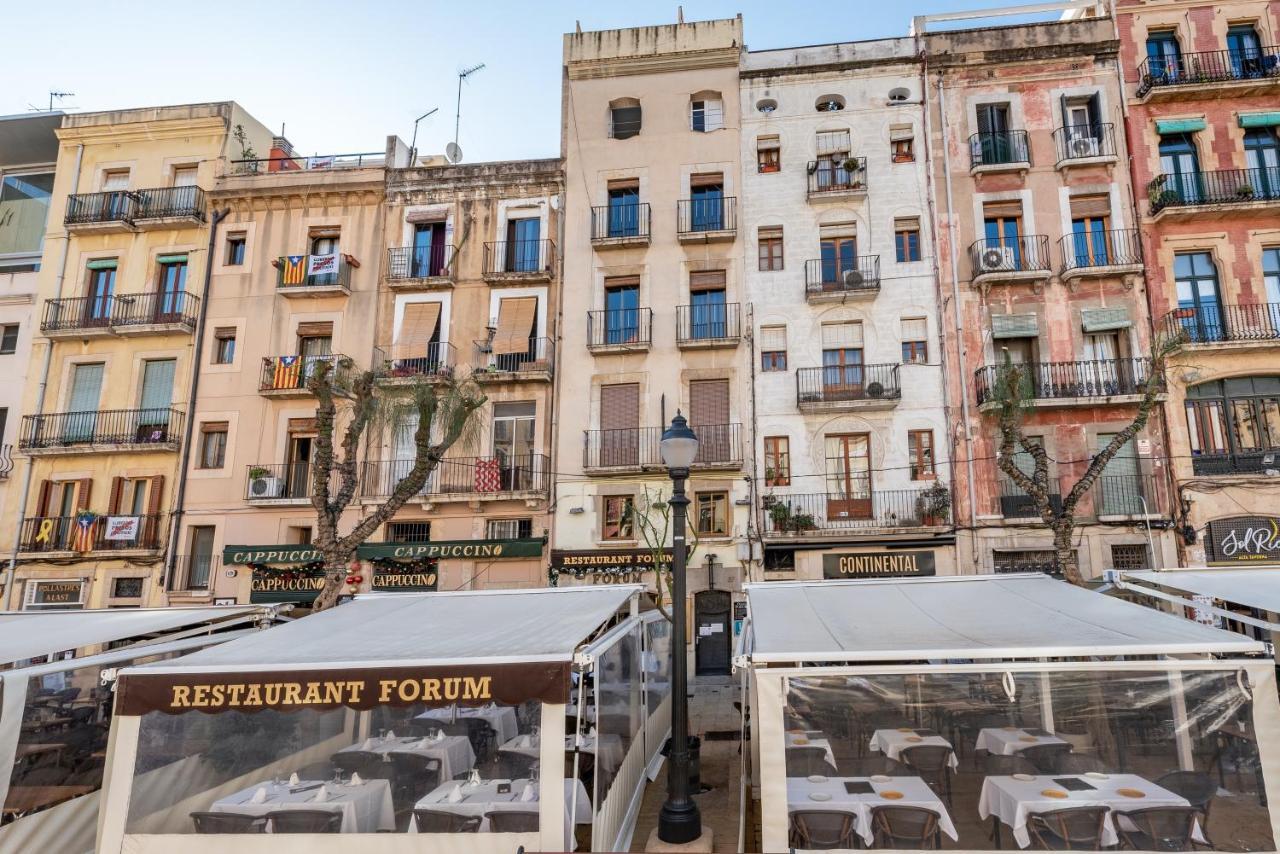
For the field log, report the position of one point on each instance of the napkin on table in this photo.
(322, 795)
(455, 796)
(293, 779)
(367, 745)
(528, 793)
(390, 734)
(355, 779)
(259, 796)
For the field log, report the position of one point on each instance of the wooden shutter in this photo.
(707, 280)
(712, 179)
(515, 325)
(155, 493)
(621, 282)
(42, 503)
(620, 407)
(1002, 209)
(419, 322)
(624, 184)
(83, 493)
(117, 489)
(1094, 207)
(302, 425)
(709, 402)
(318, 329)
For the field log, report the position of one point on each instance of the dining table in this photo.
(825, 794)
(891, 742)
(501, 718)
(607, 747)
(454, 752)
(477, 799)
(1008, 740)
(366, 806)
(25, 799)
(811, 738)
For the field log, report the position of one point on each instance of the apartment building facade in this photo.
(1042, 265)
(850, 430)
(1202, 82)
(654, 313)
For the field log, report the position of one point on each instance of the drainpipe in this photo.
(41, 389)
(754, 520)
(188, 428)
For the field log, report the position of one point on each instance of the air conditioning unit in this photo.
(997, 258)
(266, 487)
(853, 279)
(1084, 146)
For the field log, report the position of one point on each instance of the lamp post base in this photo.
(679, 823)
(703, 844)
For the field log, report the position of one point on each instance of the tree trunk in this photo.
(1064, 554)
(336, 569)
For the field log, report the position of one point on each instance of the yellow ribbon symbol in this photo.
(45, 532)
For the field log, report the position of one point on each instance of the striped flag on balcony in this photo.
(85, 524)
(288, 372)
(294, 271)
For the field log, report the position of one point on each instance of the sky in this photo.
(340, 77)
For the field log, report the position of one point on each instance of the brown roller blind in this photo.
(710, 179)
(1005, 209)
(622, 281)
(707, 280)
(767, 232)
(709, 402)
(625, 184)
(224, 332)
(302, 425)
(426, 216)
(316, 329)
(215, 426)
(419, 322)
(515, 325)
(154, 494)
(1090, 206)
(620, 407)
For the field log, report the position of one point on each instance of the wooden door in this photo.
(848, 476)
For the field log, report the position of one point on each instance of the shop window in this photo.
(1024, 560)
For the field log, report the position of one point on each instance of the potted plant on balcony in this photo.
(1244, 191)
(933, 504)
(256, 472)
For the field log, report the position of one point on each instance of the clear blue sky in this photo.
(341, 76)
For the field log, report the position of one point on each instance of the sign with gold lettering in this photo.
(54, 595)
(453, 549)
(286, 583)
(271, 554)
(392, 576)
(877, 564)
(608, 566)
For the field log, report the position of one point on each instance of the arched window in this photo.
(1234, 425)
(829, 103)
(624, 118)
(706, 112)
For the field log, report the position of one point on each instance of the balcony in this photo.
(1015, 503)
(707, 220)
(103, 431)
(1090, 383)
(708, 326)
(121, 314)
(1021, 260)
(1002, 151)
(410, 363)
(192, 573)
(1201, 75)
(519, 261)
(523, 476)
(1118, 498)
(535, 363)
(1242, 326)
(287, 376)
(421, 267)
(620, 225)
(6, 461)
(291, 162)
(1240, 462)
(294, 276)
(620, 330)
(1226, 191)
(135, 210)
(830, 181)
(830, 280)
(636, 449)
(1085, 145)
(105, 533)
(1099, 254)
(868, 511)
(286, 483)
(846, 388)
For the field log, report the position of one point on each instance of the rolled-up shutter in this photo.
(318, 329)
(1104, 319)
(773, 339)
(1094, 207)
(709, 402)
(620, 407)
(1014, 326)
(707, 280)
(897, 133)
(515, 325)
(915, 329)
(842, 334)
(1002, 209)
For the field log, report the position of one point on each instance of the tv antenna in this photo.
(457, 118)
(413, 146)
(52, 96)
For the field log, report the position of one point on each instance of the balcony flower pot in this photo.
(933, 504)
(1245, 191)
(257, 472)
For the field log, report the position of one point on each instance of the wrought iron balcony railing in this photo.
(620, 327)
(431, 359)
(130, 206)
(701, 215)
(620, 222)
(102, 532)
(1208, 67)
(1068, 380)
(292, 277)
(999, 148)
(6, 461)
(1231, 322)
(278, 482)
(1081, 142)
(498, 475)
(1016, 503)
(1238, 462)
(1089, 249)
(1221, 187)
(1127, 495)
(1028, 253)
(845, 383)
(121, 312)
(517, 258)
(859, 508)
(292, 373)
(719, 445)
(161, 427)
(297, 163)
(537, 356)
(847, 175)
(834, 276)
(162, 202)
(421, 262)
(708, 323)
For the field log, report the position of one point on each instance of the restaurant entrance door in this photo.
(712, 644)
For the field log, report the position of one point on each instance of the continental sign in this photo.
(877, 565)
(364, 689)
(453, 549)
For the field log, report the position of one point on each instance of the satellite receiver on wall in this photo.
(453, 152)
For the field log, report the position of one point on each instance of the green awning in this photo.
(1170, 126)
(1259, 120)
(453, 549)
(172, 259)
(1105, 319)
(1014, 326)
(102, 264)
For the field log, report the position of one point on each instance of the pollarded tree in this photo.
(652, 516)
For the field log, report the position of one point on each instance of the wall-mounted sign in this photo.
(1244, 539)
(877, 564)
(286, 584)
(608, 566)
(390, 577)
(271, 554)
(453, 549)
(54, 595)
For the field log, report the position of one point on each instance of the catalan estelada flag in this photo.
(288, 372)
(294, 271)
(85, 525)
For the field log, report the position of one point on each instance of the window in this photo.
(235, 249)
(126, 588)
(902, 143)
(773, 348)
(1091, 236)
(1164, 57)
(1025, 560)
(624, 118)
(770, 243)
(1199, 302)
(622, 310)
(408, 532)
(624, 209)
(1271, 282)
(115, 180)
(779, 560)
(299, 535)
(513, 445)
(1262, 160)
(777, 461)
(1180, 163)
(24, 198)
(906, 238)
(838, 248)
(224, 345)
(4, 421)
(509, 529)
(1234, 425)
(920, 454)
(706, 114)
(712, 517)
(768, 154)
(8, 339)
(200, 561)
(1129, 557)
(829, 104)
(709, 314)
(213, 445)
(184, 176)
(706, 210)
(618, 518)
(915, 341)
(172, 288)
(101, 290)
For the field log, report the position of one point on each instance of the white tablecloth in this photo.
(1009, 741)
(1010, 800)
(916, 793)
(483, 798)
(607, 748)
(366, 808)
(812, 739)
(501, 718)
(892, 743)
(454, 752)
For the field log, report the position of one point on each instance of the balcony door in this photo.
(839, 255)
(1181, 167)
(621, 313)
(1262, 156)
(404, 453)
(102, 286)
(428, 250)
(298, 467)
(313, 348)
(1245, 50)
(1271, 283)
(171, 290)
(1004, 232)
(1102, 373)
(1164, 57)
(707, 207)
(1121, 485)
(708, 313)
(513, 444)
(523, 245)
(1199, 303)
(324, 245)
(709, 419)
(995, 143)
(848, 476)
(842, 373)
(156, 399)
(82, 407)
(620, 425)
(624, 211)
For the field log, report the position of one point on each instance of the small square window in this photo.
(224, 346)
(619, 523)
(235, 249)
(768, 154)
(408, 532)
(213, 445)
(712, 517)
(8, 339)
(779, 560)
(509, 529)
(903, 150)
(773, 348)
(915, 341)
(126, 588)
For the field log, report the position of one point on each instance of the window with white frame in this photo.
(706, 113)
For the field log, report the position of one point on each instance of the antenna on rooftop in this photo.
(52, 96)
(413, 146)
(679, 14)
(457, 118)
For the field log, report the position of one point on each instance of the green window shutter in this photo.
(1104, 319)
(1164, 127)
(1014, 326)
(102, 264)
(172, 259)
(157, 383)
(1259, 120)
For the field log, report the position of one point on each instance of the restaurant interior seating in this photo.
(413, 776)
(822, 830)
(1197, 787)
(905, 827)
(586, 769)
(435, 821)
(1046, 756)
(46, 775)
(366, 763)
(1159, 828)
(933, 764)
(305, 821)
(516, 766)
(1003, 766)
(228, 822)
(1080, 763)
(870, 766)
(804, 761)
(316, 771)
(513, 821)
(1068, 829)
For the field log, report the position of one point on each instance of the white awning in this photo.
(28, 634)
(970, 617)
(1258, 587)
(471, 627)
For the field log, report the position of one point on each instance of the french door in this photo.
(848, 476)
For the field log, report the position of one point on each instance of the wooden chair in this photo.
(805, 761)
(1046, 756)
(822, 830)
(1079, 763)
(516, 766)
(1159, 828)
(906, 827)
(512, 821)
(305, 821)
(228, 822)
(412, 777)
(996, 765)
(436, 821)
(872, 765)
(1069, 829)
(933, 762)
(1198, 788)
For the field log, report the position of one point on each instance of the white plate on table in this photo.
(819, 796)
(1096, 775)
(1026, 778)
(879, 778)
(817, 778)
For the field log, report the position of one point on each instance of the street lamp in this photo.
(678, 821)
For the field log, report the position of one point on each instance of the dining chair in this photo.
(822, 830)
(1068, 829)
(875, 764)
(46, 775)
(228, 822)
(484, 740)
(413, 775)
(996, 765)
(1198, 788)
(1080, 763)
(512, 821)
(366, 763)
(316, 771)
(586, 769)
(1159, 828)
(305, 821)
(905, 827)
(933, 762)
(516, 766)
(1046, 756)
(805, 761)
(438, 821)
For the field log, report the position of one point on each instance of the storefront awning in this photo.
(974, 617)
(1253, 588)
(453, 549)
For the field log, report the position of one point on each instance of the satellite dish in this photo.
(453, 152)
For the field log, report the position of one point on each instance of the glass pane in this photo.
(24, 208)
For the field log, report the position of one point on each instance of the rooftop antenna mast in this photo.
(59, 96)
(457, 118)
(413, 146)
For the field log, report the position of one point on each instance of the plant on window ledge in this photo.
(787, 520)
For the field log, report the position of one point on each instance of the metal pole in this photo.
(678, 820)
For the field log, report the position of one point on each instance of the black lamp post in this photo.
(678, 821)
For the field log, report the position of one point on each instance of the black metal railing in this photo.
(538, 355)
(296, 163)
(1233, 322)
(159, 426)
(1220, 187)
(1125, 495)
(278, 481)
(299, 276)
(1238, 462)
(1058, 380)
(620, 327)
(842, 383)
(120, 311)
(708, 322)
(826, 176)
(638, 447)
(999, 148)
(129, 206)
(1026, 253)
(6, 461)
(837, 276)
(716, 213)
(409, 359)
(1015, 503)
(1080, 142)
(1212, 66)
(91, 532)
(193, 572)
(859, 507)
(421, 262)
(1084, 249)
(494, 475)
(614, 222)
(158, 202)
(519, 257)
(284, 373)
(121, 532)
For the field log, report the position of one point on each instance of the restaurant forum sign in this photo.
(1244, 539)
(607, 566)
(877, 565)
